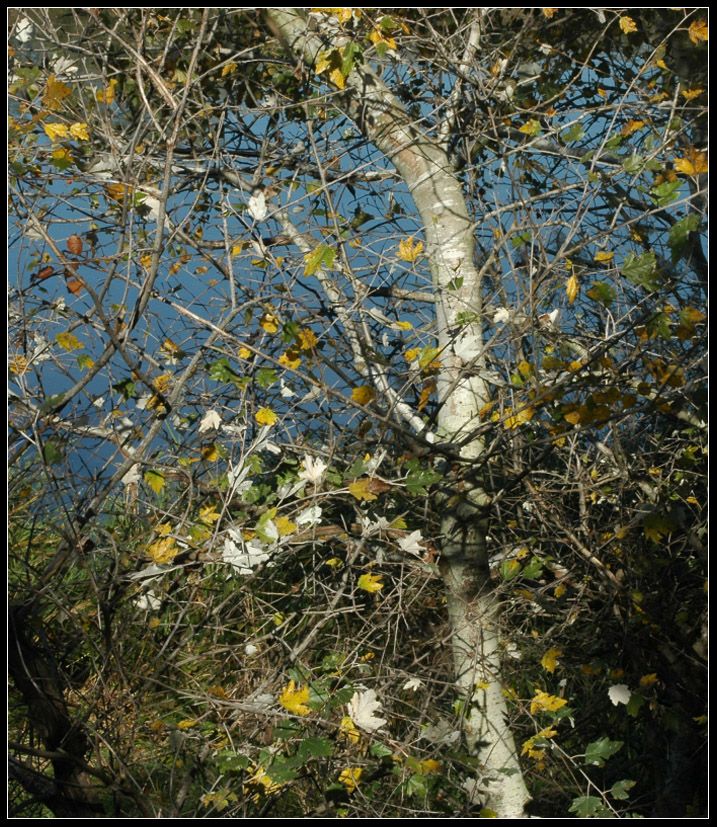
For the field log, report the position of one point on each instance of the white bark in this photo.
(474, 614)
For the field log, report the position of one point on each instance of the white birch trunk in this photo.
(472, 606)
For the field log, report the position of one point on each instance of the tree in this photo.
(371, 321)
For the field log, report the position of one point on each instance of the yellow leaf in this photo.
(294, 700)
(363, 395)
(334, 562)
(376, 37)
(549, 661)
(361, 490)
(350, 778)
(412, 354)
(80, 131)
(348, 730)
(163, 551)
(408, 251)
(525, 369)
(228, 69)
(208, 515)
(549, 13)
(188, 723)
(307, 339)
(19, 365)
(698, 31)
(117, 191)
(543, 702)
(630, 127)
(426, 395)
(107, 95)
(290, 359)
(532, 127)
(163, 529)
(336, 76)
(648, 680)
(269, 322)
(519, 418)
(155, 480)
(237, 248)
(572, 288)
(429, 766)
(694, 163)
(604, 255)
(243, 352)
(265, 416)
(404, 325)
(628, 25)
(370, 582)
(210, 453)
(56, 131)
(55, 93)
(68, 341)
(560, 590)
(284, 526)
(691, 94)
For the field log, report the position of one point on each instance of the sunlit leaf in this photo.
(163, 551)
(294, 699)
(55, 93)
(155, 480)
(363, 395)
(265, 416)
(350, 778)
(572, 288)
(549, 661)
(544, 702)
(56, 131)
(698, 31)
(370, 582)
(361, 490)
(694, 163)
(604, 255)
(408, 250)
(68, 341)
(627, 25)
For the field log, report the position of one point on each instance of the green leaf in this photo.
(641, 270)
(680, 233)
(379, 750)
(52, 452)
(126, 387)
(665, 193)
(350, 53)
(315, 748)
(265, 377)
(155, 480)
(619, 789)
(588, 806)
(602, 293)
(221, 371)
(633, 163)
(230, 761)
(533, 568)
(575, 133)
(520, 239)
(599, 751)
(419, 478)
(320, 258)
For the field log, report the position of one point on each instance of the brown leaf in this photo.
(74, 245)
(45, 273)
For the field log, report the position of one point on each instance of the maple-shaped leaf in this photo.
(361, 490)
(694, 163)
(294, 699)
(698, 31)
(269, 322)
(55, 93)
(411, 543)
(408, 251)
(210, 421)
(370, 583)
(363, 708)
(163, 551)
(619, 693)
(520, 417)
(544, 702)
(627, 25)
(549, 661)
(68, 341)
(56, 131)
(348, 731)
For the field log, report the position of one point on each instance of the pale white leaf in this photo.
(501, 315)
(619, 693)
(309, 516)
(313, 470)
(410, 544)
(413, 684)
(257, 205)
(362, 709)
(210, 421)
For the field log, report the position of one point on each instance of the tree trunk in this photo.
(474, 613)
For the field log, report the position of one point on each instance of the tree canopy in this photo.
(357, 412)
